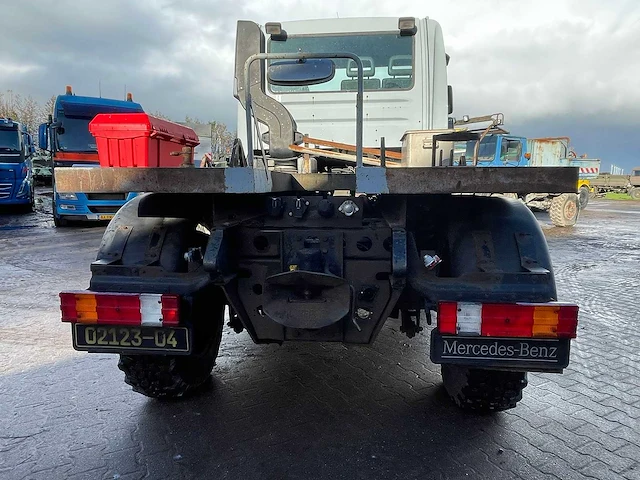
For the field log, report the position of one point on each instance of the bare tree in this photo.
(159, 114)
(221, 140)
(193, 121)
(25, 110)
(9, 102)
(28, 111)
(47, 109)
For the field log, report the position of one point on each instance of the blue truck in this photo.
(16, 177)
(496, 147)
(71, 144)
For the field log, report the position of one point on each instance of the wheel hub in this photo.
(570, 209)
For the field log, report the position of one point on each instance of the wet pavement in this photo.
(317, 411)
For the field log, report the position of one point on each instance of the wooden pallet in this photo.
(392, 158)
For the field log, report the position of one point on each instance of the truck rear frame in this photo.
(324, 257)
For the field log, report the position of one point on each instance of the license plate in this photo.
(119, 339)
(543, 354)
(105, 217)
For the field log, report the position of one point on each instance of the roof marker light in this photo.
(275, 30)
(407, 26)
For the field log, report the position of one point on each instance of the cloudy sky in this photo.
(554, 68)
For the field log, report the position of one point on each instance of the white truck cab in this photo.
(405, 79)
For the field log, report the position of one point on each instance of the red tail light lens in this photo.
(121, 309)
(550, 320)
(568, 321)
(500, 320)
(447, 317)
(170, 310)
(68, 302)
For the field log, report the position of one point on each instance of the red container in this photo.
(140, 140)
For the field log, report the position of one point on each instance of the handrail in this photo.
(302, 56)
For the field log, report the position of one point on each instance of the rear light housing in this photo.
(527, 320)
(170, 309)
(145, 309)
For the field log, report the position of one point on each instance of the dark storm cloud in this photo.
(154, 48)
(562, 67)
(65, 40)
(604, 138)
(70, 31)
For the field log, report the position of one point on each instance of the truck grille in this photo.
(103, 209)
(5, 190)
(106, 196)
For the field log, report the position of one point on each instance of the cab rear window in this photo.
(387, 59)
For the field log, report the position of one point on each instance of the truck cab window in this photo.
(511, 151)
(9, 141)
(74, 136)
(387, 60)
(487, 150)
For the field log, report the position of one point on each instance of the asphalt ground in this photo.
(317, 411)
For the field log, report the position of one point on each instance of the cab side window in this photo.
(511, 151)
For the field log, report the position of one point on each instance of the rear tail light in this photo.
(448, 317)
(120, 308)
(170, 309)
(550, 320)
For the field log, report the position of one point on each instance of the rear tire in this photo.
(583, 197)
(483, 390)
(564, 210)
(174, 376)
(165, 376)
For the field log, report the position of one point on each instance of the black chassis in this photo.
(294, 267)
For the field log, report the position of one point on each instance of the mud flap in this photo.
(522, 354)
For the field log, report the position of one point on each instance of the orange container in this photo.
(140, 140)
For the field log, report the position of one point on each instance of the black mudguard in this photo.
(146, 254)
(493, 250)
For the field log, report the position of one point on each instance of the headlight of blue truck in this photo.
(67, 196)
(23, 190)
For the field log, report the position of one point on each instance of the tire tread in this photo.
(556, 210)
(481, 390)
